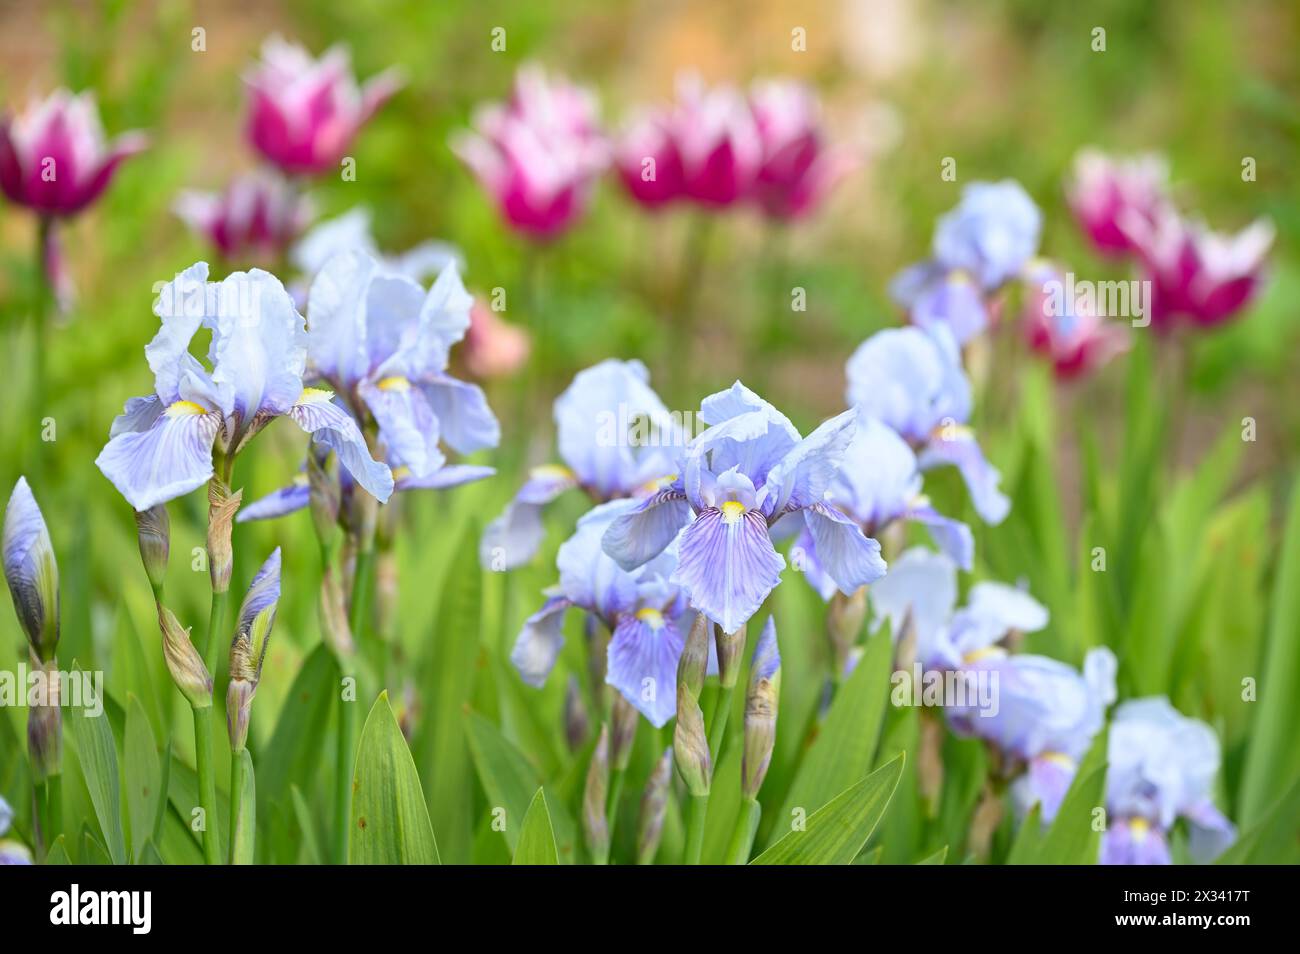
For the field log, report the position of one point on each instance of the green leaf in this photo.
(149, 854)
(536, 837)
(1273, 759)
(58, 853)
(92, 852)
(507, 777)
(938, 858)
(390, 823)
(97, 753)
(846, 742)
(1029, 839)
(308, 846)
(1073, 838)
(143, 775)
(294, 753)
(446, 683)
(837, 832)
(244, 837)
(1273, 840)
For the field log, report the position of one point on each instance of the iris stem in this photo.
(742, 837)
(216, 619)
(344, 756)
(611, 806)
(697, 809)
(718, 722)
(236, 797)
(358, 610)
(207, 783)
(49, 809)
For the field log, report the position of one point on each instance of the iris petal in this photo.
(171, 458)
(849, 557)
(539, 643)
(333, 427)
(728, 565)
(640, 535)
(642, 665)
(467, 422)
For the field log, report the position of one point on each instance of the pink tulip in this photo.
(305, 113)
(1104, 190)
(1204, 276)
(705, 148)
(258, 216)
(799, 168)
(53, 157)
(493, 348)
(538, 154)
(1075, 340)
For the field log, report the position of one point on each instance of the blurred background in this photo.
(1009, 88)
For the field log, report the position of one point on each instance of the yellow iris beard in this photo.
(182, 408)
(732, 511)
(313, 395)
(394, 383)
(651, 617)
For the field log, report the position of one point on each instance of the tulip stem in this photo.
(697, 809)
(742, 838)
(236, 797)
(207, 782)
(41, 317)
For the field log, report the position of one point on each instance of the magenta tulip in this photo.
(53, 155)
(304, 113)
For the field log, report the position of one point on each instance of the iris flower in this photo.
(162, 446)
(747, 471)
(878, 484)
(383, 343)
(644, 609)
(1162, 767)
(912, 380)
(616, 439)
(979, 245)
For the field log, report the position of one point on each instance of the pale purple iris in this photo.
(748, 470)
(616, 439)
(880, 483)
(643, 609)
(1047, 715)
(912, 380)
(383, 343)
(979, 245)
(11, 852)
(162, 445)
(1162, 767)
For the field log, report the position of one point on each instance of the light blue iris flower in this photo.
(616, 439)
(162, 445)
(982, 243)
(880, 483)
(384, 343)
(1162, 767)
(644, 610)
(747, 471)
(912, 381)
